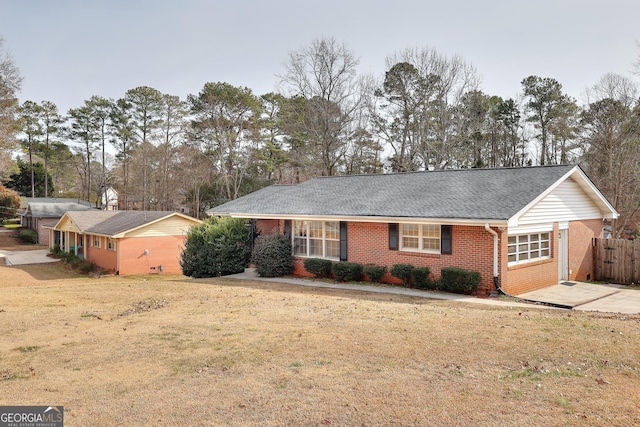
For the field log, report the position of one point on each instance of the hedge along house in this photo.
(126, 242)
(520, 228)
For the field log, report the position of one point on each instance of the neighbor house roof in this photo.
(464, 195)
(53, 208)
(114, 223)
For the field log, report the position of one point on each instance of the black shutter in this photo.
(343, 241)
(287, 227)
(446, 239)
(393, 236)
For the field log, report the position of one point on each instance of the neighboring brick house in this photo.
(125, 242)
(521, 228)
(43, 212)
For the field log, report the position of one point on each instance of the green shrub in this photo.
(28, 236)
(347, 271)
(403, 272)
(459, 280)
(56, 251)
(420, 276)
(87, 267)
(217, 247)
(318, 267)
(70, 258)
(375, 272)
(272, 256)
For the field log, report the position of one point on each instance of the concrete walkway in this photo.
(576, 296)
(38, 256)
(250, 274)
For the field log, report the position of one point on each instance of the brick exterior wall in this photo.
(472, 249)
(162, 250)
(533, 275)
(581, 235)
(540, 274)
(268, 226)
(101, 256)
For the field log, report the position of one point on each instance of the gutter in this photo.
(374, 219)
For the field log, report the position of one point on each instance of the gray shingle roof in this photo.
(111, 223)
(53, 209)
(474, 194)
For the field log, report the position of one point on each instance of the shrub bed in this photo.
(347, 271)
(28, 236)
(375, 272)
(420, 276)
(403, 272)
(459, 280)
(319, 267)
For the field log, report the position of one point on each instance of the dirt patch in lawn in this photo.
(167, 350)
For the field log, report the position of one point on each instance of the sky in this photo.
(70, 50)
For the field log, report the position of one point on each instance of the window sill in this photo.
(317, 256)
(526, 264)
(420, 253)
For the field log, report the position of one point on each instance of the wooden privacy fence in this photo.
(617, 261)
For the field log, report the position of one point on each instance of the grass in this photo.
(167, 350)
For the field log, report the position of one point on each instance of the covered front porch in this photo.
(68, 240)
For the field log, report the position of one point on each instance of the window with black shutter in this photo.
(343, 241)
(393, 236)
(446, 239)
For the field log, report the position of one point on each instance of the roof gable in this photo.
(572, 197)
(471, 195)
(116, 223)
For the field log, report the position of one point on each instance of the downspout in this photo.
(496, 281)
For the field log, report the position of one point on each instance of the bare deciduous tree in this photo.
(612, 150)
(324, 74)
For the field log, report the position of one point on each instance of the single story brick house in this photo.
(41, 212)
(521, 228)
(125, 242)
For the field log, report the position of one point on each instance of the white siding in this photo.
(566, 202)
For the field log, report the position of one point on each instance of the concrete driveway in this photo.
(25, 257)
(588, 297)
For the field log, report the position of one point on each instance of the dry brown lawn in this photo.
(168, 350)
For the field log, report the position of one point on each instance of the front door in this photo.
(563, 255)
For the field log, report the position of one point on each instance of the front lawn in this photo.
(168, 350)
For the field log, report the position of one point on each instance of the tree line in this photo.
(426, 112)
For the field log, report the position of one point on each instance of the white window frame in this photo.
(528, 247)
(425, 233)
(111, 244)
(306, 232)
(95, 239)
